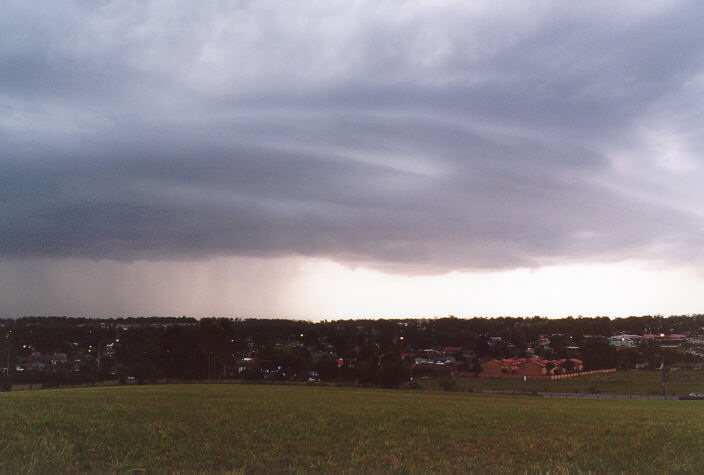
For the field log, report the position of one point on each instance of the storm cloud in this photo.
(415, 136)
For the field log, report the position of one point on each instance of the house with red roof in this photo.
(672, 340)
(529, 367)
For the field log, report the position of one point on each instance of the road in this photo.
(606, 396)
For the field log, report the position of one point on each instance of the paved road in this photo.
(606, 396)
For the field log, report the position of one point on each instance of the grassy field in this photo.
(623, 382)
(298, 428)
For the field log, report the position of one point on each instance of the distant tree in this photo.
(393, 370)
(559, 343)
(598, 354)
(627, 358)
(651, 352)
(367, 363)
(447, 382)
(327, 367)
(5, 384)
(475, 365)
(481, 346)
(569, 366)
(500, 349)
(252, 372)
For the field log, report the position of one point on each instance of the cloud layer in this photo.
(416, 136)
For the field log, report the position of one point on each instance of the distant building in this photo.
(625, 340)
(673, 340)
(529, 367)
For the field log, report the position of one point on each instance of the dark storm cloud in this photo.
(431, 136)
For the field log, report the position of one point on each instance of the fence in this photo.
(580, 373)
(607, 396)
(548, 377)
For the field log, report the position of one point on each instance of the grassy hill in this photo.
(287, 428)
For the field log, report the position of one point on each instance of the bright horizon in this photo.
(317, 289)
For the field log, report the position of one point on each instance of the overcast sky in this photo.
(328, 159)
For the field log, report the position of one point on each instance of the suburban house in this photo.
(529, 367)
(629, 341)
(535, 367)
(40, 362)
(673, 340)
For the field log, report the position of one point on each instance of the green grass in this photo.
(622, 382)
(299, 428)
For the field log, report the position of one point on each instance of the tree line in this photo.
(368, 352)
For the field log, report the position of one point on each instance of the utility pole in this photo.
(664, 368)
(6, 383)
(7, 343)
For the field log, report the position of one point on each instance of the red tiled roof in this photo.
(674, 336)
(522, 361)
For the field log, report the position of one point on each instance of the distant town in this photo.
(56, 351)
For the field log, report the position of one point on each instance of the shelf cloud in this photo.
(418, 137)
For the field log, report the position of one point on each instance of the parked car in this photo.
(693, 396)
